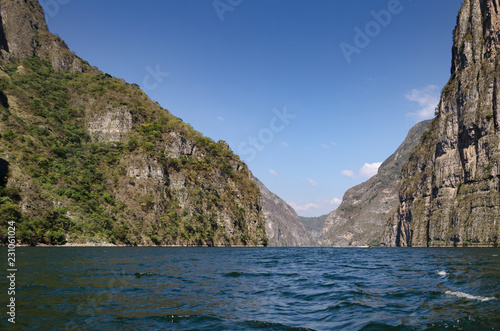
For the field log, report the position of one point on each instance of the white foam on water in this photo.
(470, 296)
(442, 273)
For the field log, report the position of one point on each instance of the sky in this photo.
(312, 95)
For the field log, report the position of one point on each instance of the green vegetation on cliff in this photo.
(86, 157)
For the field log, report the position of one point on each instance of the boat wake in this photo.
(470, 296)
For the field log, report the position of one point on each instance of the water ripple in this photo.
(249, 288)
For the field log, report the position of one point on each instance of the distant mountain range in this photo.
(314, 225)
(283, 225)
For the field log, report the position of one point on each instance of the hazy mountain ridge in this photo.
(314, 225)
(361, 217)
(283, 226)
(450, 189)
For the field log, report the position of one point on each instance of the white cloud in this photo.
(312, 182)
(348, 173)
(305, 207)
(369, 170)
(272, 172)
(427, 98)
(220, 118)
(329, 145)
(336, 202)
(321, 206)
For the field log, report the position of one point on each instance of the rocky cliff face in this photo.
(361, 217)
(87, 157)
(24, 34)
(283, 227)
(314, 226)
(450, 188)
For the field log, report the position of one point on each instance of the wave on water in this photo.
(319, 289)
(470, 296)
(145, 274)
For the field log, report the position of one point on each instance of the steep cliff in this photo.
(314, 226)
(87, 157)
(450, 187)
(361, 217)
(24, 34)
(283, 227)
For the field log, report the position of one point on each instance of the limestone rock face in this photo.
(111, 125)
(283, 227)
(450, 188)
(177, 145)
(361, 217)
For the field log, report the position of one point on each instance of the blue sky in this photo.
(313, 95)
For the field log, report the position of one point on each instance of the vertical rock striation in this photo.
(450, 187)
(361, 217)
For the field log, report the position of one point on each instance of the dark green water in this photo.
(254, 288)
